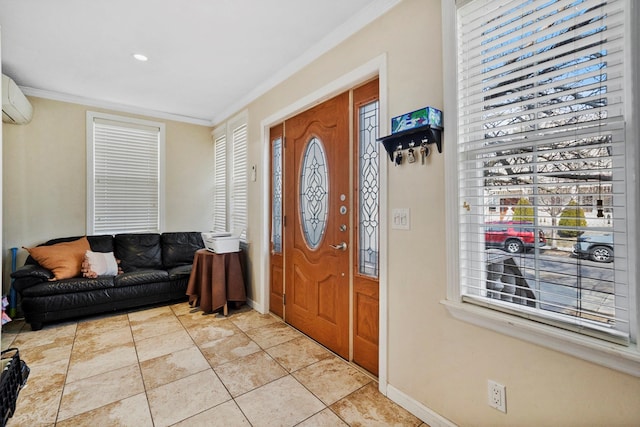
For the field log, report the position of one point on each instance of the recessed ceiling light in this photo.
(140, 57)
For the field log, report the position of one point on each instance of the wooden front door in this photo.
(317, 212)
(314, 201)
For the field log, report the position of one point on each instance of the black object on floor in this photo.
(13, 378)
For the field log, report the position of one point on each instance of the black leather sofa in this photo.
(156, 269)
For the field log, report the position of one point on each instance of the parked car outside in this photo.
(513, 236)
(595, 246)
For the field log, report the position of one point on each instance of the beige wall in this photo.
(44, 177)
(442, 363)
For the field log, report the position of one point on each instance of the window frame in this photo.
(91, 116)
(622, 358)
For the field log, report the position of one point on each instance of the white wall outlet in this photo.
(497, 396)
(400, 219)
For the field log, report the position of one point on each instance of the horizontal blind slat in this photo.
(544, 43)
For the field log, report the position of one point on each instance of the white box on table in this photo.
(221, 243)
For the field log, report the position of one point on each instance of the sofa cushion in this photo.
(179, 248)
(63, 259)
(101, 243)
(29, 275)
(76, 285)
(138, 251)
(140, 277)
(32, 270)
(180, 272)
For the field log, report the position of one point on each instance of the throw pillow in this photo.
(63, 259)
(99, 264)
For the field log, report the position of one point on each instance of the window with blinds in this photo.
(541, 163)
(124, 168)
(239, 183)
(230, 198)
(220, 185)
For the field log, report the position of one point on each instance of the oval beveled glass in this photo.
(314, 192)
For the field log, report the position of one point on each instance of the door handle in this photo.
(340, 246)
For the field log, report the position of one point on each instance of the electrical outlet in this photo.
(497, 396)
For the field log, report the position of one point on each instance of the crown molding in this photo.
(90, 102)
(331, 40)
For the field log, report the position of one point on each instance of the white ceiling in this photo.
(207, 58)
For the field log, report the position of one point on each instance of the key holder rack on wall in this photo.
(412, 138)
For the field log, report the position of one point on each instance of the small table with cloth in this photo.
(215, 280)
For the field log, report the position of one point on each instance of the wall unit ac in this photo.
(16, 108)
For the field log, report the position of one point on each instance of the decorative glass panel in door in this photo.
(314, 193)
(276, 202)
(369, 186)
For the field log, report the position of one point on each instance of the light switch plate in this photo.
(401, 219)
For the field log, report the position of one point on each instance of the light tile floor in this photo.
(172, 366)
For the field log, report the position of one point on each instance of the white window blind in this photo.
(239, 183)
(124, 181)
(541, 170)
(220, 185)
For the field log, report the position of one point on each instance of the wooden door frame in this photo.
(375, 67)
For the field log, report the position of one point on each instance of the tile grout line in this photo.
(290, 373)
(144, 384)
(101, 373)
(214, 372)
(264, 350)
(186, 330)
(232, 397)
(66, 374)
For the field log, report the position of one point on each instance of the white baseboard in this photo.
(418, 409)
(257, 307)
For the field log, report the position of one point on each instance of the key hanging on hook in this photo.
(398, 158)
(411, 158)
(424, 152)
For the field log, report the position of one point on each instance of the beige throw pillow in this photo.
(100, 264)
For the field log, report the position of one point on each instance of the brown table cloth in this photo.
(216, 279)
